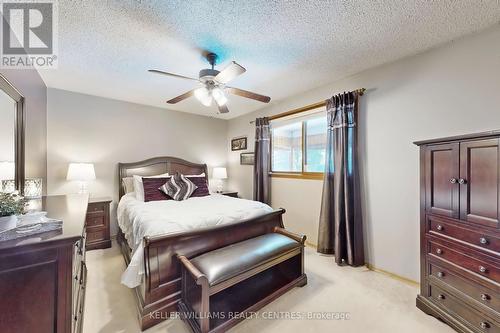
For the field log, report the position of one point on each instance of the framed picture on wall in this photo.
(247, 158)
(239, 143)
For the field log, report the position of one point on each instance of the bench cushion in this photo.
(227, 262)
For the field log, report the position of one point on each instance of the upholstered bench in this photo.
(224, 286)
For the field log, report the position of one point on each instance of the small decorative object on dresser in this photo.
(460, 231)
(247, 158)
(239, 143)
(97, 224)
(11, 205)
(233, 194)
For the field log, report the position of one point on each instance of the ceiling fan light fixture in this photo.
(203, 95)
(219, 96)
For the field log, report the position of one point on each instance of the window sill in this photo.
(298, 175)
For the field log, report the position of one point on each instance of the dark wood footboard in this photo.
(160, 291)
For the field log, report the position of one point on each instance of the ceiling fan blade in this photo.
(223, 108)
(171, 74)
(230, 72)
(181, 97)
(248, 94)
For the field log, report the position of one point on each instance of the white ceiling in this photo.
(287, 47)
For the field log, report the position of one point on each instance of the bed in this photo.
(158, 290)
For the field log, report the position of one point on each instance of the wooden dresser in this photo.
(460, 231)
(43, 277)
(97, 224)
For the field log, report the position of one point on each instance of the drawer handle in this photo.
(485, 297)
(441, 296)
(439, 227)
(453, 180)
(483, 240)
(439, 251)
(484, 325)
(483, 269)
(440, 274)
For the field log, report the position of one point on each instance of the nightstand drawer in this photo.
(97, 207)
(95, 220)
(94, 236)
(97, 224)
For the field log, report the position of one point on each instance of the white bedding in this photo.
(138, 219)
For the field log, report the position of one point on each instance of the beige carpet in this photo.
(374, 302)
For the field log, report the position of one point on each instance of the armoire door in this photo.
(479, 182)
(441, 179)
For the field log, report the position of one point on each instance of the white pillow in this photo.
(128, 184)
(200, 175)
(139, 189)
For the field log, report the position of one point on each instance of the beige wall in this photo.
(32, 87)
(84, 128)
(446, 91)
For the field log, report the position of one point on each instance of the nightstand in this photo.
(97, 224)
(230, 194)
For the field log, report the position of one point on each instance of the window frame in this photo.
(295, 174)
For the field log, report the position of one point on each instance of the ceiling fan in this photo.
(213, 85)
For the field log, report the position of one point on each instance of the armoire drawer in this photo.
(474, 262)
(470, 316)
(479, 237)
(477, 292)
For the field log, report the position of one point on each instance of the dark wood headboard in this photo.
(156, 166)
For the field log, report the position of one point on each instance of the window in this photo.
(287, 148)
(298, 146)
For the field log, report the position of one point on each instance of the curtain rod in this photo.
(360, 92)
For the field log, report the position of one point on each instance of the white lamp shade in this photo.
(81, 171)
(7, 170)
(220, 173)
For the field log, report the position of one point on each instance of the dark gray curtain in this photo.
(340, 224)
(261, 181)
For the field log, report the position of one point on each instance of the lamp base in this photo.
(83, 189)
(220, 187)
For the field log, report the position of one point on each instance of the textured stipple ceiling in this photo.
(287, 47)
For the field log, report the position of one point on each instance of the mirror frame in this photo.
(13, 93)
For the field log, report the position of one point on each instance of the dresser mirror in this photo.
(11, 138)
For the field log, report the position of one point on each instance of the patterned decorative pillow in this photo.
(152, 190)
(179, 187)
(201, 183)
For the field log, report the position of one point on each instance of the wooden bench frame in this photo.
(202, 323)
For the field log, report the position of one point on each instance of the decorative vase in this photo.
(8, 222)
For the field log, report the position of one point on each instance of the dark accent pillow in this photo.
(201, 183)
(152, 190)
(179, 187)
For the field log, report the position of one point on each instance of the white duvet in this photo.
(138, 219)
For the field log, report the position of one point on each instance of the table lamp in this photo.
(220, 174)
(82, 173)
